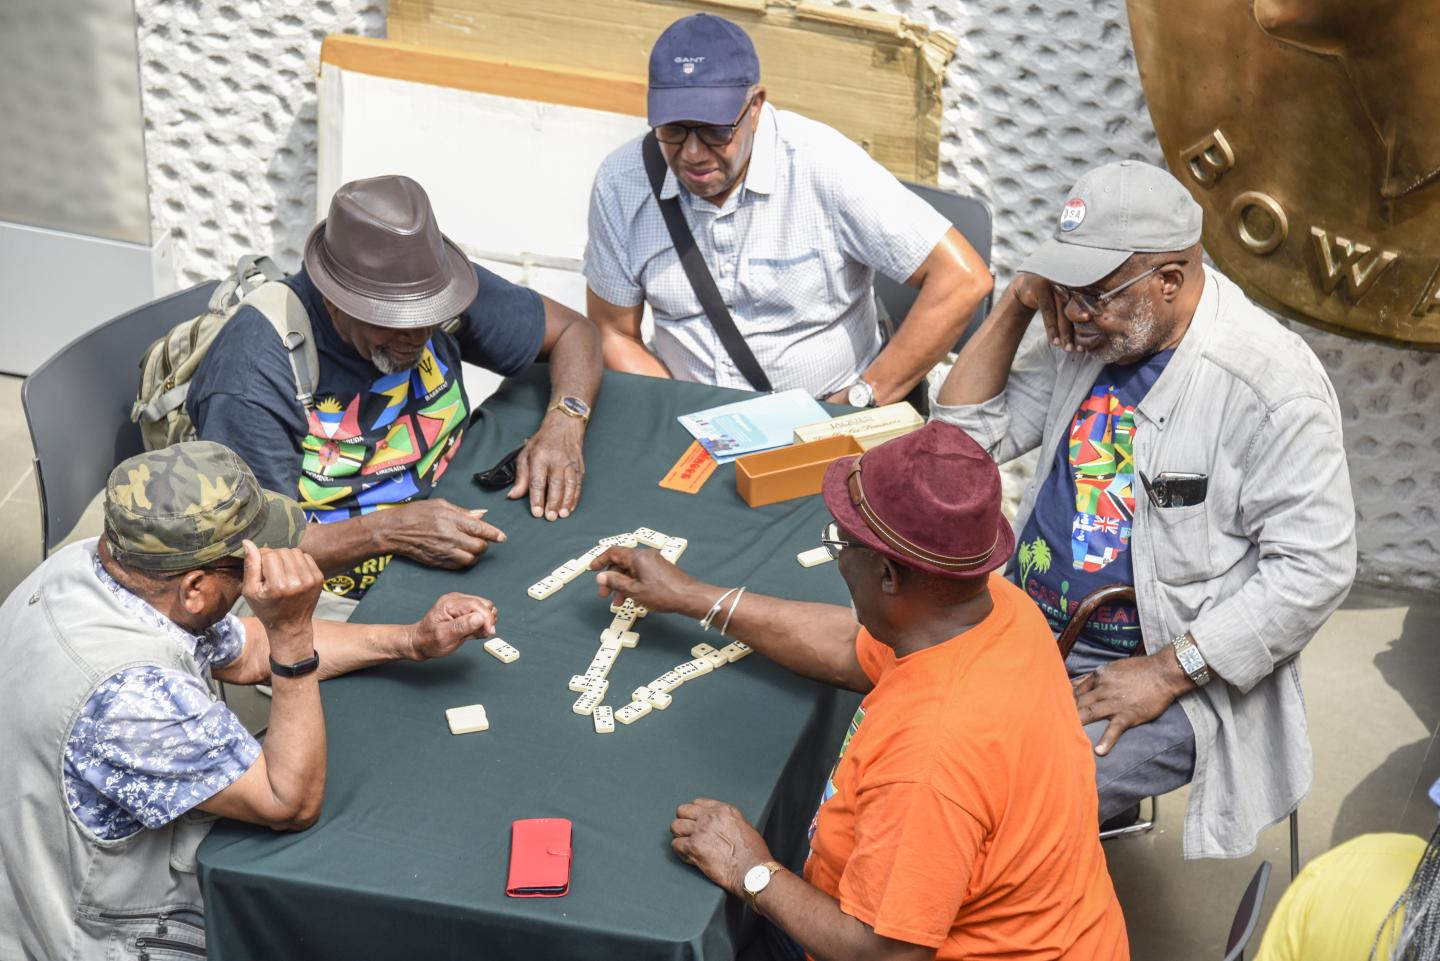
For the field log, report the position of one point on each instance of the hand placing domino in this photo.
(467, 720)
(502, 650)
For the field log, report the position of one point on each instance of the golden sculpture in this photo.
(1309, 130)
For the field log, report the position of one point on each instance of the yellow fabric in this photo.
(1336, 905)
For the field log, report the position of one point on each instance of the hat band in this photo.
(898, 542)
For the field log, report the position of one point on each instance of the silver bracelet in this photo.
(709, 617)
(733, 604)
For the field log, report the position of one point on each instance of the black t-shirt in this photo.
(373, 440)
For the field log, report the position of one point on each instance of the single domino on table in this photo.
(650, 537)
(733, 652)
(658, 700)
(640, 693)
(601, 663)
(701, 665)
(666, 682)
(544, 587)
(468, 719)
(586, 703)
(700, 650)
(688, 671)
(604, 719)
(502, 650)
(632, 712)
(717, 659)
(619, 540)
(621, 622)
(623, 638)
(814, 557)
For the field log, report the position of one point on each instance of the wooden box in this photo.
(795, 471)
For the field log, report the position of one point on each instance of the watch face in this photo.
(575, 406)
(756, 878)
(861, 395)
(1191, 661)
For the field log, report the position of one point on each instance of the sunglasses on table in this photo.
(1093, 303)
(710, 134)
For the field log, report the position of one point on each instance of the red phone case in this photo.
(539, 858)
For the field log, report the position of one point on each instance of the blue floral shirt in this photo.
(151, 743)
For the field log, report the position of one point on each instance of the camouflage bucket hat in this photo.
(190, 505)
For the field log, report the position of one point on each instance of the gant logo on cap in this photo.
(1072, 215)
(687, 64)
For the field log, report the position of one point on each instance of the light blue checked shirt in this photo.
(793, 251)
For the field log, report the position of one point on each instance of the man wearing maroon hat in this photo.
(394, 308)
(959, 820)
(1190, 448)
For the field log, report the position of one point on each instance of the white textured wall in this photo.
(1038, 92)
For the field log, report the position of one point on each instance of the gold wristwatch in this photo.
(573, 406)
(757, 879)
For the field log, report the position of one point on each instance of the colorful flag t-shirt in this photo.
(373, 440)
(1078, 537)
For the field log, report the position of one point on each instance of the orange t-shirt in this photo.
(962, 812)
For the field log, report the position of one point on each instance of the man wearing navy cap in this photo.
(959, 820)
(1190, 449)
(791, 220)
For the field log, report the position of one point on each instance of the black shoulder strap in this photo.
(695, 269)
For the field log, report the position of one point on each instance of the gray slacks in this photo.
(1148, 760)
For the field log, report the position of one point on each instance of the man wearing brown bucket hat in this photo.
(379, 281)
(113, 744)
(959, 821)
(1190, 450)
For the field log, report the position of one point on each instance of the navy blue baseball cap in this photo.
(701, 69)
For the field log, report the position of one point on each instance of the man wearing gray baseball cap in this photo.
(1190, 517)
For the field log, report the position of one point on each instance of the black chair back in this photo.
(971, 217)
(77, 405)
(1247, 916)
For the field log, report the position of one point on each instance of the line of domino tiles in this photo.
(594, 684)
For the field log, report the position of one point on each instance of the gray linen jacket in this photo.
(1253, 572)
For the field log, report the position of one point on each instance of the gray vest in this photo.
(64, 894)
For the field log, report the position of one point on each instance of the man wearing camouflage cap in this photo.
(117, 756)
(1190, 449)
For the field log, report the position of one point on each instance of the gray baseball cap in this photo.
(1112, 212)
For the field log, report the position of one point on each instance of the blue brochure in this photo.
(761, 423)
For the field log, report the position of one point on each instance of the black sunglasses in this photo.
(710, 134)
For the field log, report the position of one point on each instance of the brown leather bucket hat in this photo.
(381, 258)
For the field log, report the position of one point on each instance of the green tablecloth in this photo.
(409, 857)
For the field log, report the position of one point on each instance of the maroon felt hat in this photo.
(929, 500)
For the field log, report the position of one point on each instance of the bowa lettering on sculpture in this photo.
(1262, 226)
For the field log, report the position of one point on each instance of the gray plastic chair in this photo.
(77, 405)
(971, 217)
(1247, 915)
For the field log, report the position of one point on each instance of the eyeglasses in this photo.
(831, 541)
(1094, 304)
(710, 134)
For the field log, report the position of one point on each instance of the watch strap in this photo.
(298, 669)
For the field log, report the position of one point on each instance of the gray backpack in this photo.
(169, 364)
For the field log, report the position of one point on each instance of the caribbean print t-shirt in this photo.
(373, 440)
(1078, 537)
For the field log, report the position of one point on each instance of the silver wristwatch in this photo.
(861, 394)
(1192, 662)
